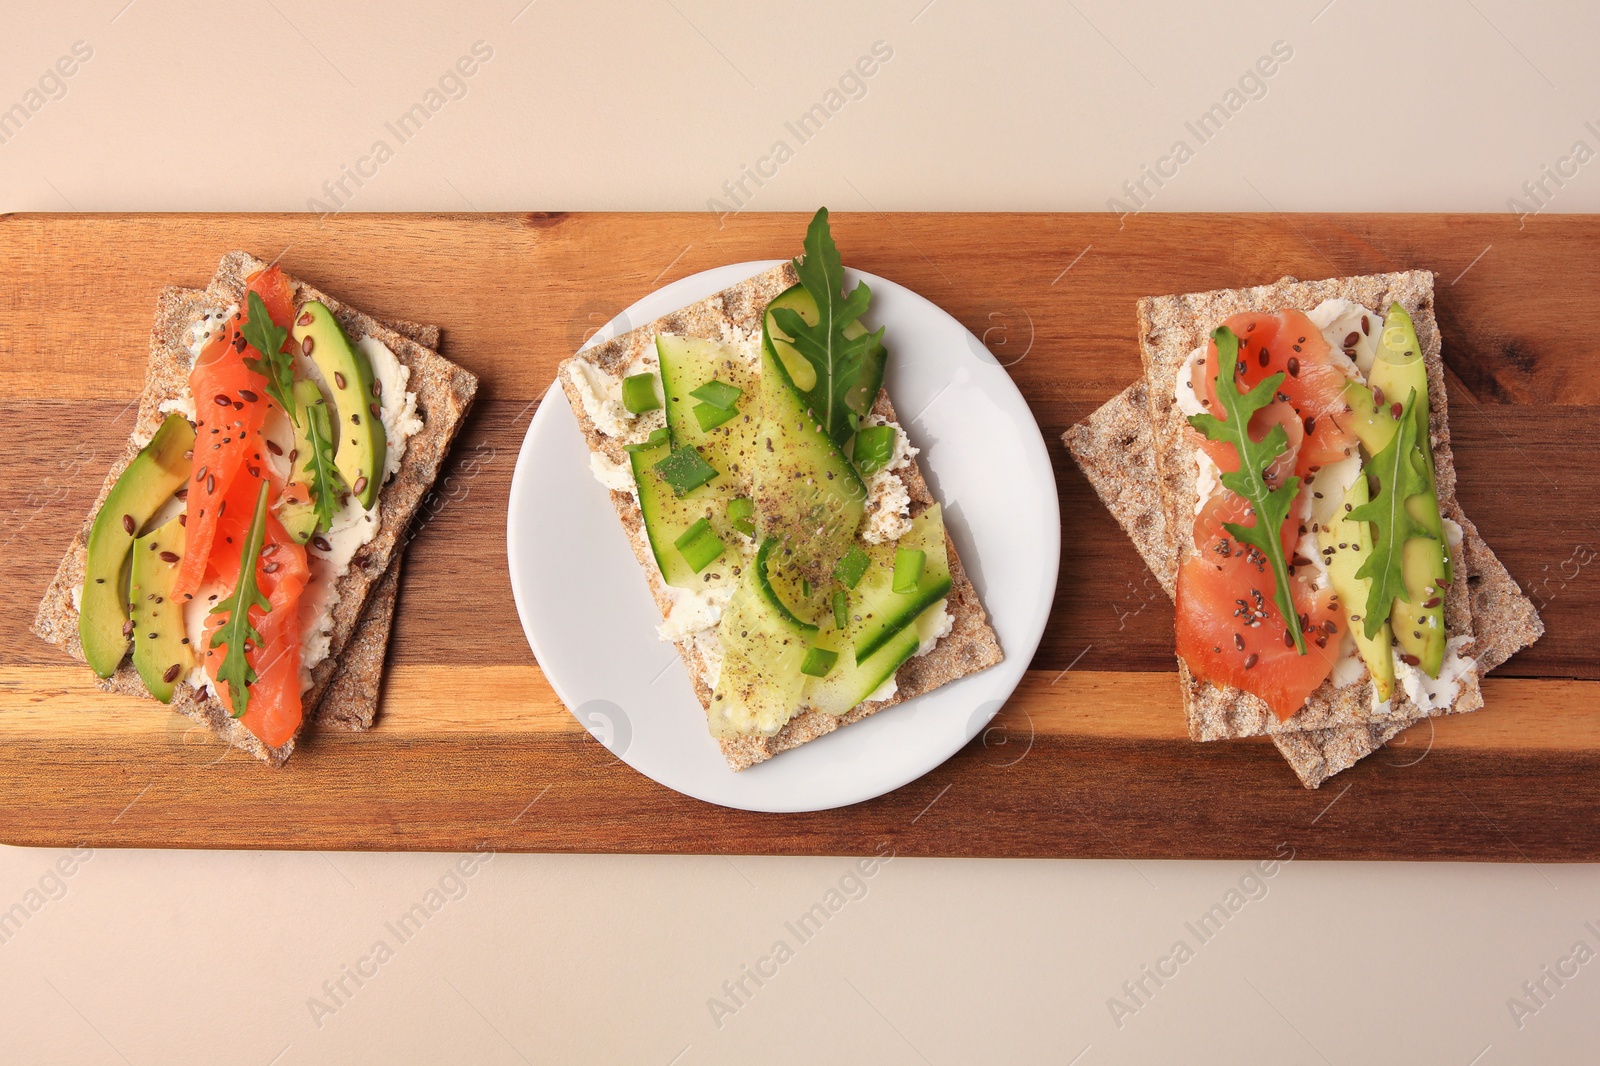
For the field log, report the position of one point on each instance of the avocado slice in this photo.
(1345, 546)
(161, 468)
(161, 651)
(1397, 369)
(363, 446)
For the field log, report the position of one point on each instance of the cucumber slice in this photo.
(688, 364)
(807, 493)
(852, 682)
(668, 517)
(883, 612)
(762, 654)
(779, 592)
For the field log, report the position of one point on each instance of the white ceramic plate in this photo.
(588, 613)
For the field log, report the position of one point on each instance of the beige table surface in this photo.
(144, 957)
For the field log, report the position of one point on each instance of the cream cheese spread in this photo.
(615, 476)
(600, 393)
(888, 514)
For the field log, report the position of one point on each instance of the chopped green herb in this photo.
(639, 393)
(685, 470)
(710, 416)
(275, 364)
(237, 632)
(841, 608)
(908, 569)
(848, 370)
(718, 394)
(699, 545)
(874, 448)
(742, 515)
(818, 662)
(851, 566)
(1270, 505)
(655, 440)
(805, 588)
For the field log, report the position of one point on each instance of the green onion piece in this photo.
(841, 609)
(851, 566)
(818, 662)
(908, 569)
(699, 546)
(639, 393)
(874, 449)
(710, 416)
(684, 470)
(718, 394)
(655, 440)
(805, 588)
(742, 515)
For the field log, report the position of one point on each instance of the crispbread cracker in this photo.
(1107, 447)
(1113, 446)
(971, 644)
(1170, 327)
(443, 391)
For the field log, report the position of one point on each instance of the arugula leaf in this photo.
(237, 630)
(275, 364)
(849, 370)
(326, 481)
(1398, 480)
(1271, 505)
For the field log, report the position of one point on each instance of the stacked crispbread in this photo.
(1138, 453)
(344, 686)
(737, 312)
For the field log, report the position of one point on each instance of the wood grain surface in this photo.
(1089, 759)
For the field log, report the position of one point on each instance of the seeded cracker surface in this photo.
(444, 393)
(971, 645)
(1143, 469)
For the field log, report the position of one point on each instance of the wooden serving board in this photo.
(1090, 758)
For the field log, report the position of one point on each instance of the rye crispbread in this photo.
(443, 391)
(1127, 446)
(732, 315)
